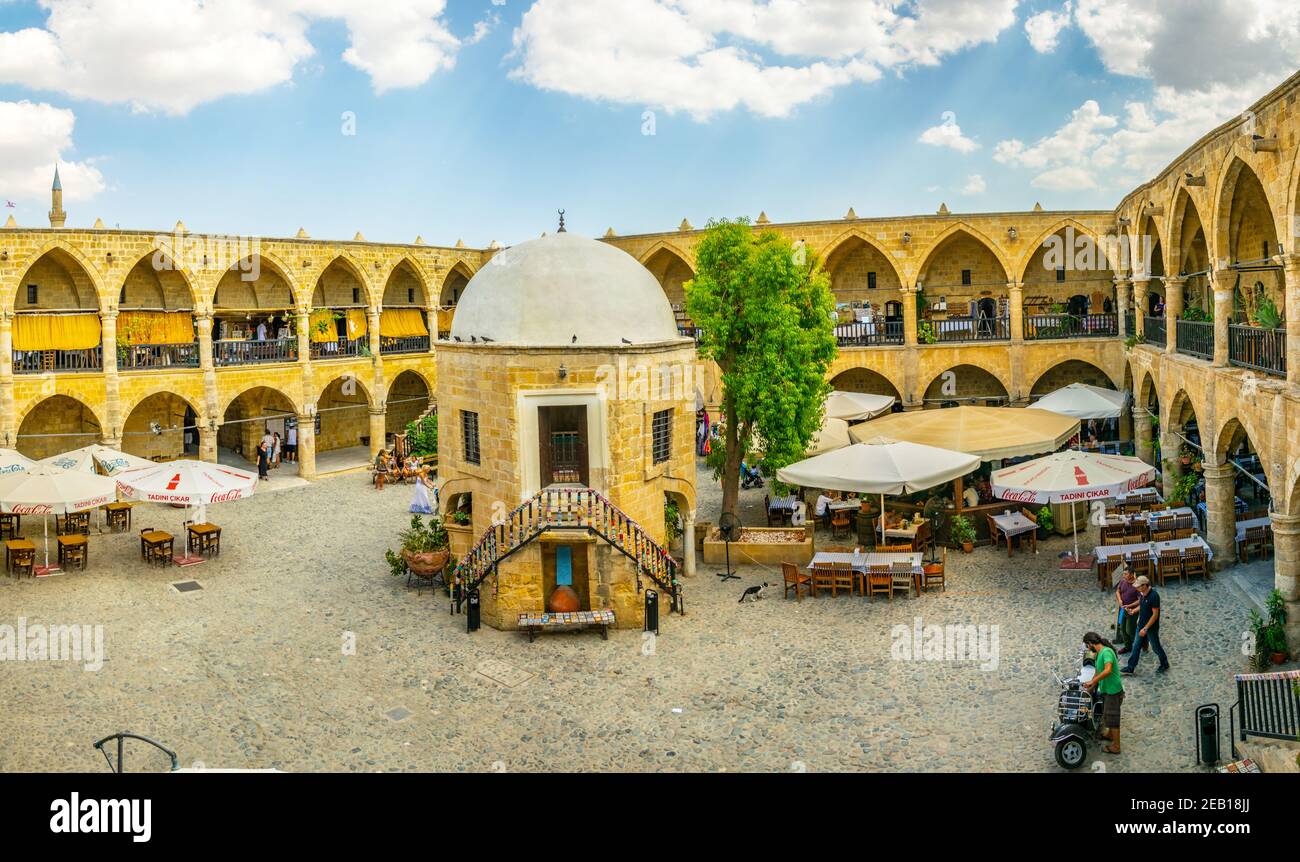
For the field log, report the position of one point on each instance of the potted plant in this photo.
(926, 334)
(1270, 634)
(1266, 313)
(963, 533)
(1046, 523)
(425, 548)
(672, 521)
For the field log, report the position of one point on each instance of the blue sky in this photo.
(496, 138)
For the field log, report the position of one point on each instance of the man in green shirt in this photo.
(1108, 684)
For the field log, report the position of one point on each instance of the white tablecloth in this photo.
(1014, 524)
(1106, 552)
(863, 561)
(1168, 514)
(1252, 522)
(1140, 495)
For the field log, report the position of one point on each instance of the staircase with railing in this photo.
(1268, 706)
(556, 509)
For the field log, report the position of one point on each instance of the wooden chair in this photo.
(774, 516)
(1162, 535)
(1194, 563)
(1106, 571)
(842, 578)
(73, 557)
(22, 562)
(795, 580)
(1139, 564)
(1184, 533)
(1113, 535)
(1134, 539)
(1184, 522)
(879, 582)
(933, 574)
(839, 523)
(897, 549)
(1256, 539)
(1169, 565)
(823, 578)
(900, 578)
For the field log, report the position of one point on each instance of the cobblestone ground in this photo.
(251, 672)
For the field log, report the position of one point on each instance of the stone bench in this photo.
(534, 623)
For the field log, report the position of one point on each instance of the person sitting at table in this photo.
(823, 509)
(985, 489)
(970, 496)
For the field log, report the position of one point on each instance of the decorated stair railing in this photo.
(568, 509)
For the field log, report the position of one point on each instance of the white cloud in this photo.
(1044, 29)
(34, 137)
(948, 134)
(176, 55)
(975, 185)
(768, 57)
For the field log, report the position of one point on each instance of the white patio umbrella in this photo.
(1085, 402)
(857, 406)
(834, 434)
(187, 483)
(880, 466)
(1069, 477)
(48, 490)
(96, 458)
(12, 461)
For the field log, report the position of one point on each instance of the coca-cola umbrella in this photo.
(47, 490)
(1069, 477)
(187, 483)
(96, 458)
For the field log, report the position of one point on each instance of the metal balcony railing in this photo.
(1047, 326)
(134, 356)
(1195, 338)
(343, 347)
(1153, 331)
(42, 361)
(254, 352)
(869, 333)
(1256, 348)
(412, 344)
(955, 329)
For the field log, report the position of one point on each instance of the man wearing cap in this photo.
(1148, 628)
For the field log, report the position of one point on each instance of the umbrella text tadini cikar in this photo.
(193, 484)
(50, 491)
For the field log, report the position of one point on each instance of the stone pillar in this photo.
(1173, 310)
(378, 429)
(1142, 435)
(909, 316)
(1122, 305)
(688, 543)
(1016, 310)
(1140, 305)
(112, 392)
(1292, 311)
(8, 421)
(302, 315)
(1170, 468)
(208, 442)
(208, 365)
(306, 446)
(372, 325)
(1286, 571)
(1224, 283)
(1221, 512)
(431, 316)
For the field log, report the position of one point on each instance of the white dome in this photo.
(546, 291)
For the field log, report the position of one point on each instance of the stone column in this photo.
(1221, 512)
(1292, 311)
(688, 543)
(372, 325)
(306, 446)
(302, 315)
(1173, 310)
(1122, 305)
(1142, 435)
(1140, 305)
(1016, 310)
(208, 365)
(1170, 468)
(431, 316)
(1286, 570)
(112, 392)
(909, 316)
(1224, 283)
(378, 429)
(208, 442)
(8, 422)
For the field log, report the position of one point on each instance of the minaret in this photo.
(57, 215)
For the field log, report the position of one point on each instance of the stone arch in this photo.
(195, 401)
(1182, 409)
(343, 406)
(170, 410)
(82, 281)
(244, 417)
(403, 270)
(149, 286)
(276, 268)
(454, 284)
(1071, 371)
(257, 388)
(1246, 233)
(956, 233)
(859, 379)
(848, 260)
(1035, 248)
(1180, 236)
(1231, 433)
(671, 268)
(333, 292)
(58, 423)
(969, 384)
(409, 396)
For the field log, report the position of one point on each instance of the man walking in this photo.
(1148, 631)
(1128, 599)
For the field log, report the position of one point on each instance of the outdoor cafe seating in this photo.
(156, 546)
(10, 526)
(204, 538)
(73, 522)
(20, 557)
(74, 551)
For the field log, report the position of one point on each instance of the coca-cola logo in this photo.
(21, 509)
(226, 496)
(1019, 496)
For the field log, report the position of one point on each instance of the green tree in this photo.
(766, 317)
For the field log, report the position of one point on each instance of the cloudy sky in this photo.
(477, 119)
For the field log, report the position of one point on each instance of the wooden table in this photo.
(1141, 495)
(16, 545)
(862, 562)
(1015, 524)
(1106, 552)
(153, 540)
(117, 516)
(73, 540)
(201, 534)
(1251, 522)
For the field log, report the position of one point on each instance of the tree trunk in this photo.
(731, 467)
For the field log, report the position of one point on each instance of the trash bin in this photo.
(472, 612)
(652, 611)
(1207, 733)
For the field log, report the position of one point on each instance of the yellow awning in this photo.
(322, 327)
(357, 326)
(402, 323)
(56, 332)
(155, 327)
(991, 433)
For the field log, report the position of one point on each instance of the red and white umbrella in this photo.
(187, 483)
(12, 461)
(1071, 476)
(48, 490)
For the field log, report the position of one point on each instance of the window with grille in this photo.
(469, 433)
(31, 294)
(356, 296)
(1060, 273)
(661, 436)
(871, 281)
(965, 277)
(410, 294)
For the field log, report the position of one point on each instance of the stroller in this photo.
(749, 477)
(1078, 716)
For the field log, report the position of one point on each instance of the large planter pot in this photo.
(1277, 657)
(967, 547)
(426, 564)
(460, 537)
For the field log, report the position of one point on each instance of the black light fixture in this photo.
(564, 372)
(1012, 233)
(907, 237)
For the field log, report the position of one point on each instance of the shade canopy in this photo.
(46, 490)
(880, 466)
(12, 461)
(1085, 402)
(1070, 477)
(186, 483)
(834, 434)
(992, 433)
(88, 458)
(857, 406)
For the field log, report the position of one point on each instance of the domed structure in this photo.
(547, 291)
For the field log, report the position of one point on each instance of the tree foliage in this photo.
(766, 317)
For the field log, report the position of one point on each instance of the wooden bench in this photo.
(535, 623)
